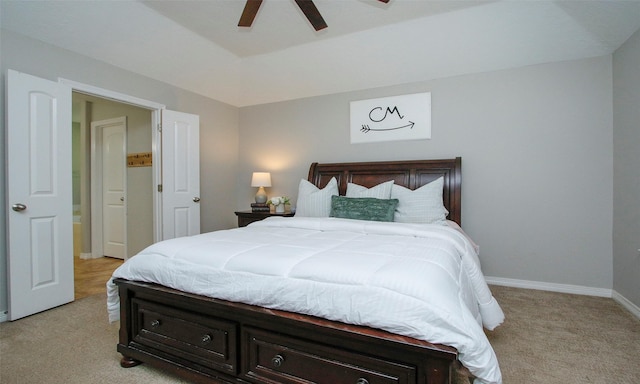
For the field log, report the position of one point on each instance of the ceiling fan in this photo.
(308, 8)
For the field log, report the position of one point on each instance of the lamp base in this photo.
(261, 196)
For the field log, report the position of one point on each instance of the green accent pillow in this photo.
(363, 208)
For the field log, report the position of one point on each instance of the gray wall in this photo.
(537, 158)
(218, 123)
(626, 169)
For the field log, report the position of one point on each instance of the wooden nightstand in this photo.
(247, 217)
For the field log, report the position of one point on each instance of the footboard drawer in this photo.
(202, 340)
(274, 358)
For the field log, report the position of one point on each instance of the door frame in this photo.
(156, 142)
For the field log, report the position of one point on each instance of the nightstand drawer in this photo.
(243, 221)
(247, 217)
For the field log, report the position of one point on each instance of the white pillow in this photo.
(315, 202)
(380, 191)
(423, 205)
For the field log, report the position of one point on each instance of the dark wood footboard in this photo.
(209, 340)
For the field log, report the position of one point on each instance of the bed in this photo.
(320, 329)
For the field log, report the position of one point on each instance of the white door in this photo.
(40, 234)
(180, 174)
(109, 142)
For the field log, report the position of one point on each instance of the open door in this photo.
(40, 234)
(39, 188)
(180, 174)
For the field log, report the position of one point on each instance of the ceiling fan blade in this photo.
(313, 15)
(384, 1)
(249, 13)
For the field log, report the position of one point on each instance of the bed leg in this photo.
(128, 362)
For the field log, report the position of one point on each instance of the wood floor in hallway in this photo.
(91, 275)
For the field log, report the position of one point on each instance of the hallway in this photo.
(91, 275)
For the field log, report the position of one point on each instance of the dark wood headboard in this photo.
(411, 174)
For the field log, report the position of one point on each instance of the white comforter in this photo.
(422, 281)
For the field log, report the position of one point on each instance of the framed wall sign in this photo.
(406, 117)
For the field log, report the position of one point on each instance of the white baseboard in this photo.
(631, 307)
(89, 255)
(553, 287)
(566, 288)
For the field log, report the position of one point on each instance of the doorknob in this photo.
(18, 207)
(122, 199)
(196, 199)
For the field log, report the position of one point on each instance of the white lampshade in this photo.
(261, 179)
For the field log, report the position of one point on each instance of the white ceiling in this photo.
(196, 45)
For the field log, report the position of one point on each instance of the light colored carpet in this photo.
(548, 338)
(71, 344)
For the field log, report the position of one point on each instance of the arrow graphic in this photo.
(366, 129)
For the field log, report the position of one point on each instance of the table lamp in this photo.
(261, 180)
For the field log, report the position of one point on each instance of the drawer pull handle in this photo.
(206, 339)
(155, 323)
(362, 380)
(277, 361)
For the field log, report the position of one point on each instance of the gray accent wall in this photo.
(626, 169)
(537, 158)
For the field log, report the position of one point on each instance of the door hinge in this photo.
(159, 127)
(159, 187)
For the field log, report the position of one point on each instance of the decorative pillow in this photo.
(315, 202)
(423, 205)
(380, 191)
(363, 208)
